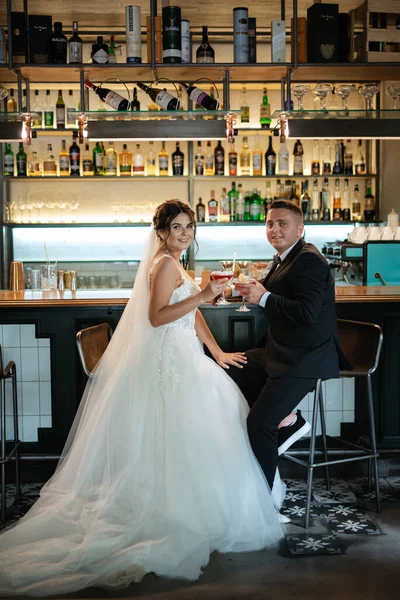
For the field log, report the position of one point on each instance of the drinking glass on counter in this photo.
(243, 277)
(48, 276)
(225, 273)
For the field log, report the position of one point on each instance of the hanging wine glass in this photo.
(344, 90)
(321, 91)
(368, 91)
(394, 92)
(299, 91)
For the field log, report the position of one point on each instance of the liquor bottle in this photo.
(200, 211)
(205, 53)
(186, 41)
(58, 46)
(75, 45)
(305, 202)
(257, 157)
(63, 160)
(369, 202)
(21, 161)
(265, 111)
(241, 35)
(315, 203)
(8, 161)
(171, 34)
(11, 103)
(199, 97)
(337, 165)
(99, 52)
(315, 163)
(209, 160)
(219, 159)
(356, 205)
(98, 159)
(283, 159)
(60, 111)
(34, 167)
(109, 97)
(87, 163)
(70, 109)
(112, 59)
(23, 108)
(337, 202)
(346, 201)
(151, 169)
(268, 197)
(49, 163)
(232, 157)
(138, 161)
(240, 205)
(37, 112)
(244, 108)
(247, 202)
(245, 158)
(360, 167)
(135, 104)
(255, 206)
(270, 159)
(278, 190)
(74, 157)
(199, 160)
(212, 208)
(348, 159)
(111, 161)
(232, 196)
(163, 99)
(326, 212)
(287, 190)
(294, 196)
(177, 161)
(125, 162)
(224, 207)
(327, 166)
(298, 153)
(163, 161)
(48, 112)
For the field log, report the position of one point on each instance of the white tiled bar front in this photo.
(32, 360)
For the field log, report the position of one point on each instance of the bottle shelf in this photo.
(385, 113)
(258, 73)
(178, 177)
(199, 224)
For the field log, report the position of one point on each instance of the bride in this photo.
(157, 471)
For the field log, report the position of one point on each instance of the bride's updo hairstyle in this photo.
(166, 213)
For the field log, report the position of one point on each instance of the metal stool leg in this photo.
(312, 452)
(323, 435)
(3, 448)
(374, 460)
(16, 436)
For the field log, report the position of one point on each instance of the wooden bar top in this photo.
(120, 297)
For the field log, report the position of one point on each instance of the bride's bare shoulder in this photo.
(161, 265)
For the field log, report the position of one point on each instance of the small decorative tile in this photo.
(389, 496)
(298, 511)
(306, 544)
(337, 485)
(340, 511)
(356, 523)
(331, 497)
(295, 484)
(295, 496)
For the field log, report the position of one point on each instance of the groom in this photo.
(298, 299)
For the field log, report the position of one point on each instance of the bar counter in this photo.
(38, 331)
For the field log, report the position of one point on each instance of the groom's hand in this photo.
(252, 291)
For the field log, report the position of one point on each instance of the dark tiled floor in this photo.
(348, 552)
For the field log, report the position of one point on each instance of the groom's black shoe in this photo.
(289, 435)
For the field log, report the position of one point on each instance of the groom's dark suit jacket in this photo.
(302, 339)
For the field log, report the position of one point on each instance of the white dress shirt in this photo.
(264, 297)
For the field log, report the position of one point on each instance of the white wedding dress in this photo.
(158, 472)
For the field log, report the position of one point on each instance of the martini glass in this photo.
(344, 90)
(225, 273)
(368, 91)
(321, 91)
(243, 277)
(394, 92)
(299, 91)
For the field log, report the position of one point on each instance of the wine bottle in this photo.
(60, 111)
(270, 159)
(135, 104)
(205, 53)
(219, 159)
(164, 100)
(199, 97)
(75, 45)
(58, 46)
(109, 97)
(177, 161)
(74, 157)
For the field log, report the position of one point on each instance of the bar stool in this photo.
(8, 372)
(92, 343)
(361, 344)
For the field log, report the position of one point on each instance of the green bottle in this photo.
(48, 112)
(21, 161)
(98, 159)
(232, 195)
(255, 206)
(265, 111)
(8, 161)
(247, 202)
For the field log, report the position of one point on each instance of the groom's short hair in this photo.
(288, 205)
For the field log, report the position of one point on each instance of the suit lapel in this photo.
(285, 263)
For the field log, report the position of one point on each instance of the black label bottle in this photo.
(219, 159)
(58, 46)
(171, 34)
(100, 51)
(177, 161)
(135, 104)
(270, 159)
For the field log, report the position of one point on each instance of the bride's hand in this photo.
(236, 359)
(213, 289)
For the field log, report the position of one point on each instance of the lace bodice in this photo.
(186, 290)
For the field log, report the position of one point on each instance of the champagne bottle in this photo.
(199, 97)
(163, 99)
(109, 97)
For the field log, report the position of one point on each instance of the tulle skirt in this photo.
(158, 477)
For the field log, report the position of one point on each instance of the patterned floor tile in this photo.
(295, 484)
(337, 485)
(334, 497)
(388, 496)
(356, 523)
(295, 496)
(306, 544)
(394, 482)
